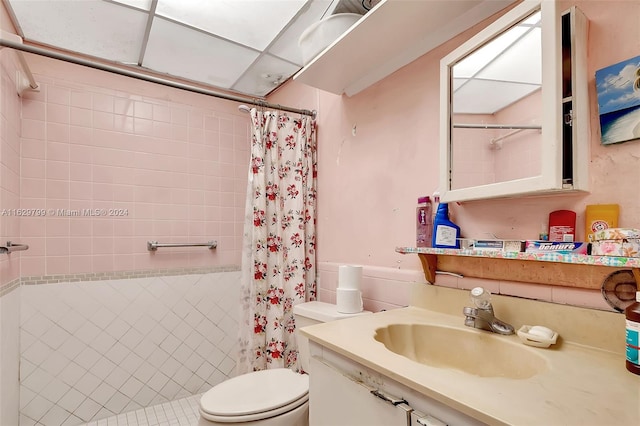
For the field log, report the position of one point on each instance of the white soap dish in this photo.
(537, 335)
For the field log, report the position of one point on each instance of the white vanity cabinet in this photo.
(344, 392)
(338, 399)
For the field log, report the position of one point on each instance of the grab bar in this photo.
(154, 245)
(497, 141)
(11, 247)
(497, 126)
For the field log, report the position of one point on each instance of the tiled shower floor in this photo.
(181, 412)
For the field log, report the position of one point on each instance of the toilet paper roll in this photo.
(349, 276)
(348, 300)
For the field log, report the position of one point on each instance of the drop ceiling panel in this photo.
(227, 44)
(179, 51)
(265, 75)
(521, 63)
(95, 28)
(286, 46)
(248, 22)
(509, 67)
(479, 59)
(471, 98)
(520, 37)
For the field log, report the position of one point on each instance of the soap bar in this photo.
(538, 330)
(537, 335)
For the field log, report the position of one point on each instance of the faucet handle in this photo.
(481, 298)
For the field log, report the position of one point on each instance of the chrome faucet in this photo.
(481, 316)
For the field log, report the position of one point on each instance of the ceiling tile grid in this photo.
(246, 46)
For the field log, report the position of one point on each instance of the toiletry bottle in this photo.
(562, 226)
(599, 217)
(446, 234)
(424, 222)
(436, 202)
(632, 314)
(544, 233)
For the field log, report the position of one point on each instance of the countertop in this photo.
(582, 385)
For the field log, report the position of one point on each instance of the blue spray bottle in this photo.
(446, 234)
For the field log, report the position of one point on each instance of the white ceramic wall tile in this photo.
(182, 412)
(91, 350)
(9, 356)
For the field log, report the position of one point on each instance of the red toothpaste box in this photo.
(556, 247)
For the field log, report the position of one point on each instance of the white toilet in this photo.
(277, 397)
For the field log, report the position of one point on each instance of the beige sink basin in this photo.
(473, 351)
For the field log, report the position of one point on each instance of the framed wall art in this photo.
(618, 88)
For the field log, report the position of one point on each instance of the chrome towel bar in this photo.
(154, 245)
(11, 247)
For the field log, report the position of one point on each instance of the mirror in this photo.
(496, 109)
(502, 102)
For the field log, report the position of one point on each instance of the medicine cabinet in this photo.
(514, 107)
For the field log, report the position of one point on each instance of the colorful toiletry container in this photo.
(492, 245)
(623, 242)
(559, 247)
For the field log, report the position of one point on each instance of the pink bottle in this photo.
(424, 222)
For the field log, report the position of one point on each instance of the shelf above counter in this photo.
(393, 34)
(570, 270)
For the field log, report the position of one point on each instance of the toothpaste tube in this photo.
(556, 247)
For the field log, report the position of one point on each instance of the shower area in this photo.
(95, 165)
(122, 200)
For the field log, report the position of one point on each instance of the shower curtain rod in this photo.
(141, 76)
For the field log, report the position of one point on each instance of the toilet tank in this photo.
(311, 313)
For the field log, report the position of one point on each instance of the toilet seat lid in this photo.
(256, 392)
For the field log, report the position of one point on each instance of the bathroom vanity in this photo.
(347, 392)
(580, 380)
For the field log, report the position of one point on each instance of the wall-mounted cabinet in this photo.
(514, 107)
(390, 36)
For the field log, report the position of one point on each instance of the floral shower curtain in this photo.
(278, 259)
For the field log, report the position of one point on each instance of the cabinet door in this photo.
(336, 399)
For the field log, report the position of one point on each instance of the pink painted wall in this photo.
(155, 163)
(369, 182)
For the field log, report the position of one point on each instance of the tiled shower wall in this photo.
(109, 163)
(92, 349)
(478, 161)
(94, 165)
(9, 230)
